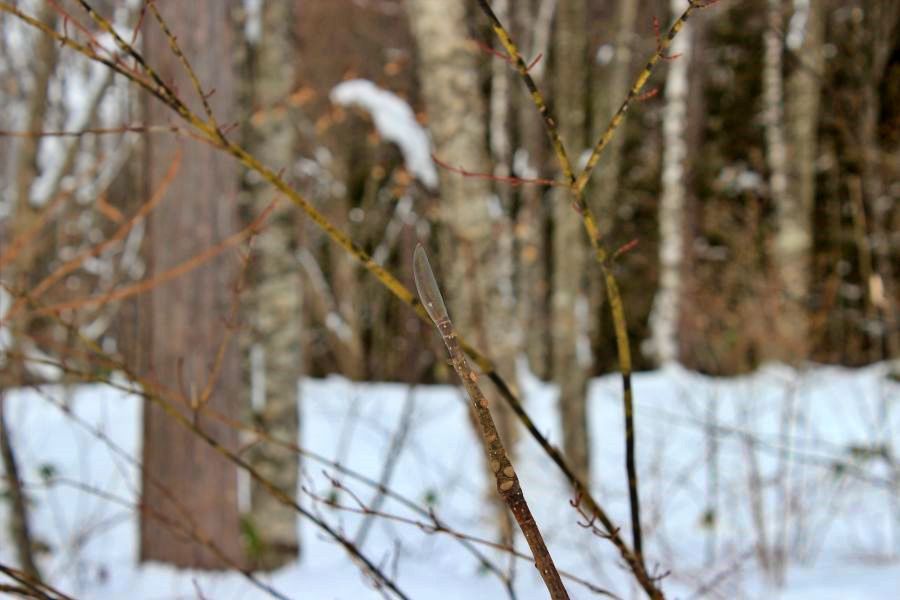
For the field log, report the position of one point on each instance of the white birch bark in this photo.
(664, 317)
(790, 183)
(277, 299)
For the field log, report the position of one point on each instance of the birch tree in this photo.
(664, 319)
(276, 355)
(793, 237)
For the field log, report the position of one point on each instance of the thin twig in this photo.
(662, 46)
(508, 485)
(18, 519)
(513, 181)
(94, 131)
(176, 49)
(37, 588)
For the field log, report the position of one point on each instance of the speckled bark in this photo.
(276, 301)
(793, 238)
(664, 319)
(794, 243)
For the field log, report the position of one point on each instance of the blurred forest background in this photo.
(750, 196)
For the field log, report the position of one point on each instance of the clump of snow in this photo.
(798, 24)
(395, 121)
(253, 20)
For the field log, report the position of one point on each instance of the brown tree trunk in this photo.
(276, 301)
(533, 24)
(570, 365)
(664, 319)
(190, 314)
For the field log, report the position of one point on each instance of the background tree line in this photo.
(757, 177)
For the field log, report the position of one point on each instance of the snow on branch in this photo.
(395, 121)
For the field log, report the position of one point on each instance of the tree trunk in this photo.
(476, 270)
(793, 239)
(609, 91)
(571, 353)
(664, 318)
(190, 314)
(533, 23)
(276, 302)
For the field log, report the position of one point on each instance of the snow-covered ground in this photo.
(734, 472)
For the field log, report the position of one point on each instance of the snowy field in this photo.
(738, 476)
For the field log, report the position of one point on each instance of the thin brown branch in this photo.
(662, 47)
(187, 529)
(176, 49)
(508, 485)
(18, 518)
(435, 526)
(37, 588)
(95, 131)
(513, 181)
(168, 275)
(120, 233)
(25, 237)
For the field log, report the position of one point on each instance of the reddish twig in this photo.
(513, 181)
(659, 44)
(647, 95)
(625, 248)
(507, 58)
